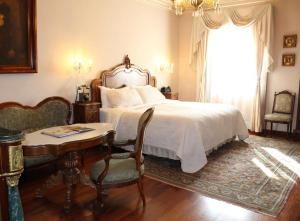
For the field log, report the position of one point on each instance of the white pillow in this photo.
(103, 93)
(124, 97)
(149, 94)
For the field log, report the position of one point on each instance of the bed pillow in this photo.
(124, 97)
(103, 94)
(149, 94)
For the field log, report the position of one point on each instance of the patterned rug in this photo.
(257, 174)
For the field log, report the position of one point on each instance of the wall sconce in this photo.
(79, 65)
(82, 90)
(166, 68)
(90, 64)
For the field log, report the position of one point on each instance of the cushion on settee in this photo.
(53, 111)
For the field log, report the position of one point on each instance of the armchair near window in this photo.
(118, 170)
(283, 109)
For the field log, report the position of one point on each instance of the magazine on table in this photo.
(65, 131)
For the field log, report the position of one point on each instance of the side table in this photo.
(86, 112)
(171, 95)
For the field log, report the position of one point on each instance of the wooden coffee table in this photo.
(68, 149)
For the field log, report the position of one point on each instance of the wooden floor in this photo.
(164, 203)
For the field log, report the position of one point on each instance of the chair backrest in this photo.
(53, 111)
(284, 102)
(143, 122)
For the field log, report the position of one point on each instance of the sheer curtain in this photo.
(231, 68)
(258, 20)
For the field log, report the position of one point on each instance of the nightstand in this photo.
(86, 112)
(171, 95)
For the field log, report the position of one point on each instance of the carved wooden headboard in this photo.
(123, 74)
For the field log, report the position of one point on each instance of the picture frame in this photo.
(18, 53)
(288, 60)
(290, 41)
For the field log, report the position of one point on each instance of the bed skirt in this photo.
(161, 152)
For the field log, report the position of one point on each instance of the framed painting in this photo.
(290, 41)
(18, 50)
(288, 60)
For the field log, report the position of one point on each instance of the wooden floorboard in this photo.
(164, 203)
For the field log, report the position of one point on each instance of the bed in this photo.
(185, 131)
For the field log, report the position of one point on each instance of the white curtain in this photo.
(260, 18)
(231, 68)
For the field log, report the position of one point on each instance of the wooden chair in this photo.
(283, 109)
(122, 169)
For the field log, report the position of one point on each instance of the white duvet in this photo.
(188, 129)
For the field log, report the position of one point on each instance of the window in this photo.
(231, 68)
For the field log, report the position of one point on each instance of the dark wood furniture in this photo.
(86, 112)
(52, 111)
(3, 200)
(171, 95)
(69, 149)
(11, 168)
(282, 111)
(120, 170)
(114, 78)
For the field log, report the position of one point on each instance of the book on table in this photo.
(65, 131)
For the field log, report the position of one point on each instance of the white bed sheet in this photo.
(182, 130)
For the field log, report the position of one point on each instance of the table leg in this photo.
(71, 175)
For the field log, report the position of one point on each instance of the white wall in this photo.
(101, 30)
(186, 76)
(286, 21)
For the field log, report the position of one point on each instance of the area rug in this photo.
(257, 174)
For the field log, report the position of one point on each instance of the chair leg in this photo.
(265, 128)
(141, 190)
(271, 128)
(290, 129)
(99, 200)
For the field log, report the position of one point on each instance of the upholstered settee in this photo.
(52, 111)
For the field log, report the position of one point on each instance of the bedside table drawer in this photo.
(92, 117)
(86, 112)
(92, 108)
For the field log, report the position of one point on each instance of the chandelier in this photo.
(198, 6)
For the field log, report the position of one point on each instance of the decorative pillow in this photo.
(149, 94)
(124, 97)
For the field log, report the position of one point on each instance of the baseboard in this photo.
(276, 133)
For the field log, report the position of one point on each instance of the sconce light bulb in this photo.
(90, 62)
(162, 67)
(171, 68)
